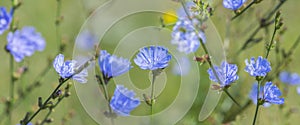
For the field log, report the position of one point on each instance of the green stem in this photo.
(231, 117)
(271, 42)
(103, 84)
(28, 90)
(46, 117)
(105, 92)
(293, 48)
(228, 94)
(152, 93)
(12, 86)
(256, 112)
(61, 82)
(108, 102)
(47, 100)
(25, 121)
(283, 62)
(266, 19)
(12, 82)
(258, 101)
(275, 9)
(251, 37)
(240, 13)
(204, 48)
(51, 110)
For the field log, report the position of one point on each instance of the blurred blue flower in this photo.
(67, 69)
(123, 101)
(298, 90)
(112, 66)
(189, 7)
(182, 67)
(289, 78)
(152, 58)
(253, 95)
(260, 67)
(24, 42)
(27, 123)
(185, 37)
(271, 94)
(233, 4)
(227, 74)
(86, 40)
(5, 19)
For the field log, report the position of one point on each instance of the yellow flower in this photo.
(169, 17)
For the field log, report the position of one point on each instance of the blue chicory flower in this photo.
(67, 69)
(253, 95)
(271, 94)
(5, 20)
(24, 42)
(112, 66)
(123, 101)
(258, 68)
(233, 4)
(289, 78)
(152, 58)
(185, 37)
(227, 74)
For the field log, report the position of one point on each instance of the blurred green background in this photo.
(41, 15)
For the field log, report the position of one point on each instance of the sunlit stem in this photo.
(205, 50)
